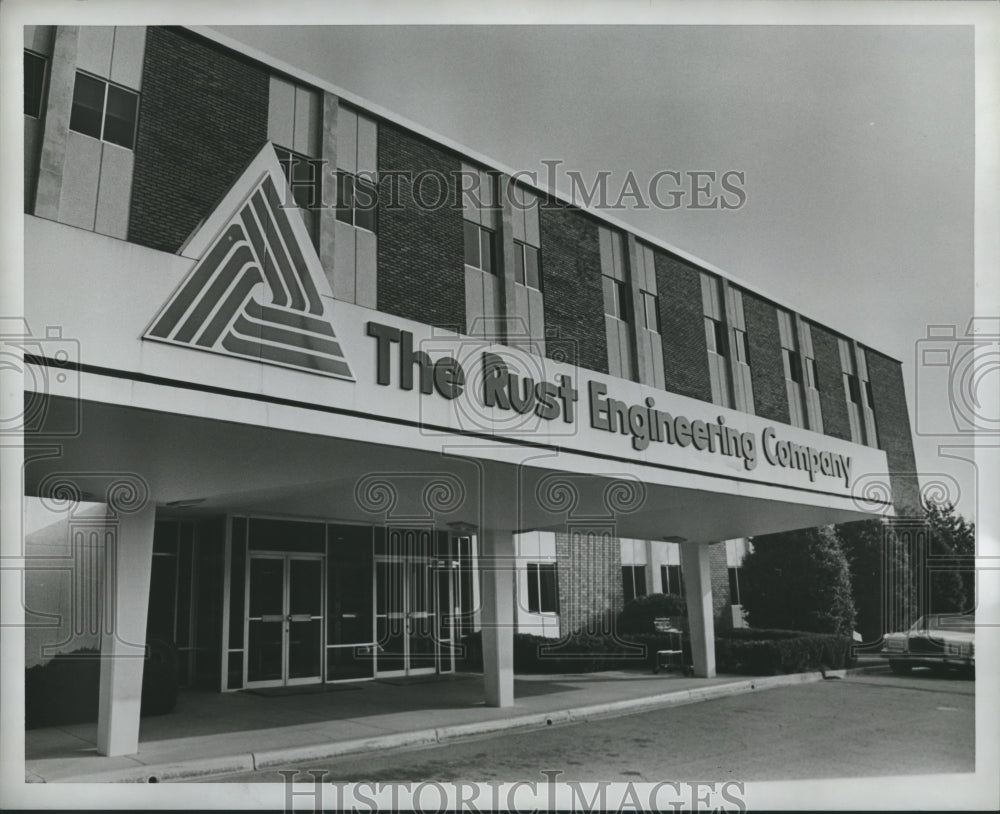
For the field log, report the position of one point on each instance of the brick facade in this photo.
(590, 578)
(202, 118)
(685, 352)
(830, 381)
(719, 571)
(571, 283)
(892, 424)
(770, 394)
(421, 273)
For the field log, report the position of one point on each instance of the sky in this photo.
(856, 144)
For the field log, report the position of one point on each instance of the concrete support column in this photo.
(698, 589)
(61, 84)
(498, 616)
(499, 512)
(652, 575)
(129, 552)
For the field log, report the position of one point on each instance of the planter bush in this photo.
(580, 653)
(639, 613)
(743, 651)
(65, 689)
(748, 651)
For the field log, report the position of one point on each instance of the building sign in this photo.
(255, 291)
(644, 424)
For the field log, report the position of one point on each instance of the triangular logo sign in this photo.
(255, 291)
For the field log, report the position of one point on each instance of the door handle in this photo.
(300, 617)
(272, 617)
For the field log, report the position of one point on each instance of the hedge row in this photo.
(65, 689)
(754, 652)
(741, 651)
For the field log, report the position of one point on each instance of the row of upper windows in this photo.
(108, 112)
(482, 252)
(100, 109)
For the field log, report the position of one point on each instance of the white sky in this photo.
(856, 141)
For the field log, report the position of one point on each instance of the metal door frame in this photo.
(406, 559)
(286, 558)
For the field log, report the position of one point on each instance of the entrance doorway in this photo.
(284, 619)
(405, 610)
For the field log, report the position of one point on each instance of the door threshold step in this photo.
(303, 689)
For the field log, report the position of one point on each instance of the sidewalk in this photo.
(212, 733)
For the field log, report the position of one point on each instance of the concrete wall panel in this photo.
(78, 196)
(94, 50)
(127, 55)
(114, 191)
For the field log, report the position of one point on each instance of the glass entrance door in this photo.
(284, 619)
(405, 609)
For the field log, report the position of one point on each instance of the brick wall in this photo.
(892, 423)
(202, 118)
(685, 353)
(719, 573)
(770, 396)
(590, 578)
(421, 272)
(571, 282)
(830, 381)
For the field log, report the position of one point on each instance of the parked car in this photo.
(934, 640)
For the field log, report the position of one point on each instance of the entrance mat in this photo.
(403, 681)
(305, 689)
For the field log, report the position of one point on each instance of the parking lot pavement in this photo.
(865, 725)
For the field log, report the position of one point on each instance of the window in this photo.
(34, 83)
(357, 201)
(792, 361)
(619, 304)
(853, 388)
(715, 335)
(633, 581)
(543, 587)
(651, 306)
(868, 395)
(742, 351)
(480, 247)
(526, 265)
(734, 586)
(104, 111)
(670, 580)
(811, 379)
(305, 176)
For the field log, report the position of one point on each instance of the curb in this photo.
(169, 772)
(250, 761)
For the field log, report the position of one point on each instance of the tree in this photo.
(798, 580)
(883, 599)
(952, 548)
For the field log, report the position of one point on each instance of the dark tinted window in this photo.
(119, 119)
(104, 111)
(88, 106)
(34, 83)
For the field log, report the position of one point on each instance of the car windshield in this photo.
(945, 621)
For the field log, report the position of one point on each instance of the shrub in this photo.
(798, 580)
(65, 690)
(750, 651)
(639, 613)
(744, 651)
(579, 653)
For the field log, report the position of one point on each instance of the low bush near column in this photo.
(65, 689)
(750, 651)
